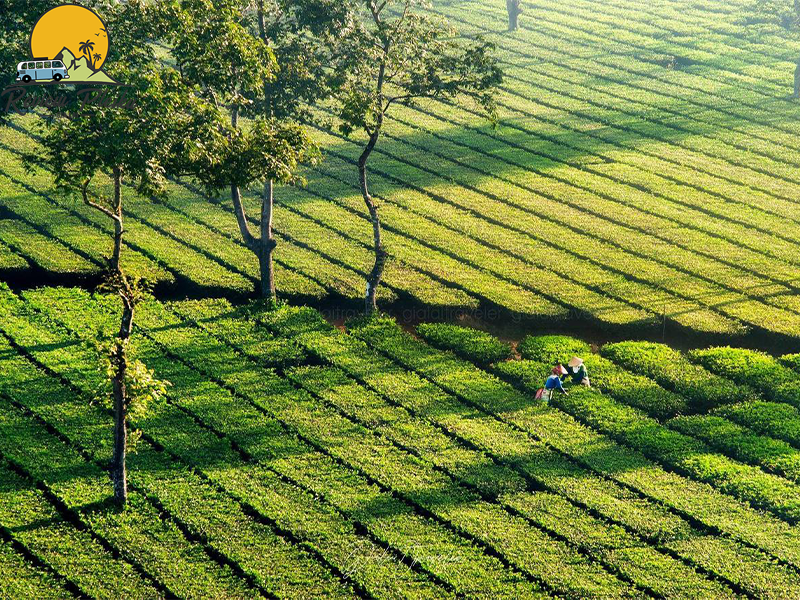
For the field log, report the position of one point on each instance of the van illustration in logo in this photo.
(41, 69)
(69, 43)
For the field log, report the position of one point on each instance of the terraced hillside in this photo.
(644, 168)
(642, 182)
(292, 459)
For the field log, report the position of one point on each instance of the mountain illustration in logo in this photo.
(77, 37)
(79, 70)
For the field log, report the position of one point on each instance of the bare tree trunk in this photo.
(236, 198)
(241, 218)
(375, 275)
(118, 470)
(514, 11)
(267, 241)
(114, 213)
(267, 244)
(118, 228)
(119, 359)
(262, 247)
(797, 80)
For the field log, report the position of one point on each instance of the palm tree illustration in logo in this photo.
(86, 48)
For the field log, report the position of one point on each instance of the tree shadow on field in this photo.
(533, 176)
(272, 352)
(87, 422)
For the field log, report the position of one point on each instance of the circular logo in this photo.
(71, 32)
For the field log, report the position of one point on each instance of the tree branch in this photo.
(376, 12)
(401, 19)
(406, 98)
(85, 192)
(241, 218)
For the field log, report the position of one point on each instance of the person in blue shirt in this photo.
(554, 381)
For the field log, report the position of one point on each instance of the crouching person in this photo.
(553, 383)
(576, 371)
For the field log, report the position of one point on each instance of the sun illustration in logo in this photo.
(76, 37)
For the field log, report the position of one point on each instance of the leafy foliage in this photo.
(400, 54)
(792, 361)
(143, 387)
(133, 26)
(552, 349)
(305, 37)
(741, 443)
(765, 13)
(146, 138)
(227, 61)
(472, 344)
(268, 149)
(671, 369)
(656, 499)
(776, 420)
(215, 50)
(752, 368)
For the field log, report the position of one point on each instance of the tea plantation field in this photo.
(644, 169)
(294, 459)
(642, 183)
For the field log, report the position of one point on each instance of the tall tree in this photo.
(133, 387)
(17, 18)
(401, 55)
(772, 16)
(137, 142)
(223, 47)
(514, 11)
(304, 35)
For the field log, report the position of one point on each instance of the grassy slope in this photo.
(626, 180)
(342, 473)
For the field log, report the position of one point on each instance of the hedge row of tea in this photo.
(292, 459)
(641, 403)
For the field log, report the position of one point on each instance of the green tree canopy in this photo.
(400, 54)
(226, 51)
(138, 141)
(145, 136)
(215, 51)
